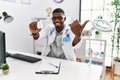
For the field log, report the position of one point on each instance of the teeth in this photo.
(57, 23)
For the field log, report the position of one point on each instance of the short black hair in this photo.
(58, 10)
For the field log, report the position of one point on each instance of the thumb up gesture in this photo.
(77, 28)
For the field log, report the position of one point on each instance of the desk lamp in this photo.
(101, 25)
(7, 18)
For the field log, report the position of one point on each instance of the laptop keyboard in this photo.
(25, 58)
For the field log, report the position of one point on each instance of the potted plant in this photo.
(5, 68)
(117, 58)
(116, 29)
(116, 34)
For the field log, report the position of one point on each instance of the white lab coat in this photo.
(67, 38)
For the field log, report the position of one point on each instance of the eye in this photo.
(59, 18)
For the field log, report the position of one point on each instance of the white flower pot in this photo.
(5, 72)
(117, 68)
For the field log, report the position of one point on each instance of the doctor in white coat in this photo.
(62, 40)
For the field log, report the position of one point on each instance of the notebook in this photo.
(49, 66)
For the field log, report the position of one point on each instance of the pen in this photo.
(53, 65)
(46, 72)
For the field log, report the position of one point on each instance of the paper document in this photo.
(49, 66)
(39, 24)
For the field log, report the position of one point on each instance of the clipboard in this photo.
(49, 66)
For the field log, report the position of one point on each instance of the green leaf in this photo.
(115, 3)
(4, 66)
(112, 21)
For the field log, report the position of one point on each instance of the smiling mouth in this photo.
(57, 24)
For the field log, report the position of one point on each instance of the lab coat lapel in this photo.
(51, 36)
(67, 45)
(66, 36)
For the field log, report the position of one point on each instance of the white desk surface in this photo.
(70, 70)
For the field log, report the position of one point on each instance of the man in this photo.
(62, 40)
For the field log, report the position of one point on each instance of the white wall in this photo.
(17, 33)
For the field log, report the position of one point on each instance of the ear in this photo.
(64, 18)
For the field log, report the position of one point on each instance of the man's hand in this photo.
(78, 59)
(33, 28)
(77, 29)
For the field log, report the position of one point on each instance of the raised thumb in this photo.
(83, 25)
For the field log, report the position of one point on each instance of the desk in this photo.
(69, 70)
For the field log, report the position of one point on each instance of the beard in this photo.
(59, 28)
